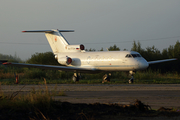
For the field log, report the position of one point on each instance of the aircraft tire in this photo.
(106, 78)
(75, 79)
(131, 81)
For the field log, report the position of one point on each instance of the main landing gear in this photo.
(106, 78)
(76, 77)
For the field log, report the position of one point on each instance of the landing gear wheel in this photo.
(75, 79)
(131, 80)
(106, 78)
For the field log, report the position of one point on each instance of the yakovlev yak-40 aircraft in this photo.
(76, 59)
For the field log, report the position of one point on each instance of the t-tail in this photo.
(58, 42)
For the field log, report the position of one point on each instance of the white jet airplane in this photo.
(76, 59)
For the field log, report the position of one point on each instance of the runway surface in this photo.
(155, 95)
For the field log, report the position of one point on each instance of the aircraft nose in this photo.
(143, 64)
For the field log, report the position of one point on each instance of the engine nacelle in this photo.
(65, 60)
(75, 48)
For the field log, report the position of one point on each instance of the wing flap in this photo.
(160, 61)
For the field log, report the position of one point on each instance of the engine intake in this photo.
(65, 60)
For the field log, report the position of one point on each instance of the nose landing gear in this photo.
(132, 78)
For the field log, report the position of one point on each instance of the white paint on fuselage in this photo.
(106, 60)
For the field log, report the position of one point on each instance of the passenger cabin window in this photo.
(132, 55)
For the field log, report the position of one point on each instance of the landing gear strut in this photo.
(75, 77)
(132, 78)
(106, 78)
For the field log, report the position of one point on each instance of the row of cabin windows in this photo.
(132, 55)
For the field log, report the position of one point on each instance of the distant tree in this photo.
(171, 51)
(177, 49)
(101, 49)
(10, 58)
(114, 48)
(90, 49)
(46, 58)
(134, 47)
(165, 53)
(137, 47)
(174, 52)
(152, 53)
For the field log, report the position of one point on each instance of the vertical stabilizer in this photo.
(56, 40)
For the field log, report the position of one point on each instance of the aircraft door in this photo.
(88, 59)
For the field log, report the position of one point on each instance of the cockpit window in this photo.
(128, 56)
(132, 55)
(138, 55)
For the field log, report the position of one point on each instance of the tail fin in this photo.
(56, 40)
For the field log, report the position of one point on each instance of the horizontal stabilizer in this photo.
(55, 38)
(49, 31)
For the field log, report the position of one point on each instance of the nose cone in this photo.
(143, 64)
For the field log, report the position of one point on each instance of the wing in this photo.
(53, 67)
(160, 61)
(2, 61)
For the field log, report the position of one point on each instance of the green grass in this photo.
(33, 104)
(141, 77)
(98, 81)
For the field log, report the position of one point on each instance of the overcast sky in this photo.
(97, 23)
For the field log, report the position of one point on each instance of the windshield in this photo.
(132, 55)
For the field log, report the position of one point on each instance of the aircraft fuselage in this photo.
(107, 60)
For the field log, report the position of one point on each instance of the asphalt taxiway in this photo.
(155, 95)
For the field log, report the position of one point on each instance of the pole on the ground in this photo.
(17, 79)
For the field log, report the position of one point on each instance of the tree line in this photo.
(152, 53)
